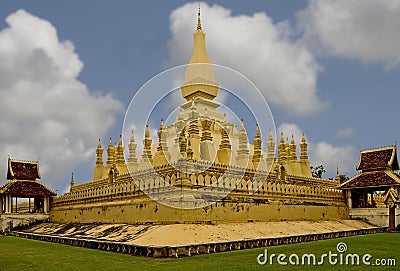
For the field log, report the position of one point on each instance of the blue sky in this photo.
(329, 69)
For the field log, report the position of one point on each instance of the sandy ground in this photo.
(186, 234)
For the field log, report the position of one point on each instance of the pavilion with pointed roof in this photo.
(23, 183)
(378, 177)
(378, 173)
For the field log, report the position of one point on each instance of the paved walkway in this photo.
(187, 234)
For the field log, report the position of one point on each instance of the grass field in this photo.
(24, 254)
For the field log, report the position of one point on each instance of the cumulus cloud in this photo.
(284, 70)
(290, 129)
(365, 30)
(45, 110)
(324, 153)
(345, 133)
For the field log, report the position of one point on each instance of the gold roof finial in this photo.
(120, 140)
(146, 132)
(270, 138)
(303, 139)
(242, 129)
(72, 182)
(198, 19)
(132, 140)
(257, 134)
(162, 124)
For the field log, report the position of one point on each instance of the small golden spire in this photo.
(132, 139)
(242, 129)
(257, 134)
(99, 154)
(257, 155)
(132, 159)
(270, 147)
(303, 139)
(147, 133)
(162, 124)
(270, 138)
(198, 20)
(72, 182)
(303, 149)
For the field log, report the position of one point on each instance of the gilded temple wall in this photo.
(124, 202)
(153, 212)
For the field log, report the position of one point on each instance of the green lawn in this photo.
(24, 254)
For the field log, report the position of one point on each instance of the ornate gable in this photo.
(27, 189)
(382, 158)
(391, 197)
(372, 179)
(22, 170)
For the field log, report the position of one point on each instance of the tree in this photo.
(343, 178)
(317, 171)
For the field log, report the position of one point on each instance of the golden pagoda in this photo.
(202, 169)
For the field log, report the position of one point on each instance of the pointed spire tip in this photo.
(198, 19)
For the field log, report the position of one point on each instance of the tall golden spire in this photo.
(132, 159)
(110, 154)
(292, 148)
(242, 129)
(243, 148)
(147, 145)
(270, 147)
(162, 144)
(257, 147)
(120, 159)
(303, 149)
(281, 149)
(198, 20)
(99, 154)
(71, 183)
(199, 77)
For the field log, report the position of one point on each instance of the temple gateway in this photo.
(23, 184)
(373, 194)
(210, 174)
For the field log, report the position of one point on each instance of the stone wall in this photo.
(221, 212)
(11, 221)
(375, 216)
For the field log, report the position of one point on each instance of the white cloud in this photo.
(288, 130)
(284, 70)
(324, 153)
(345, 133)
(366, 30)
(45, 110)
